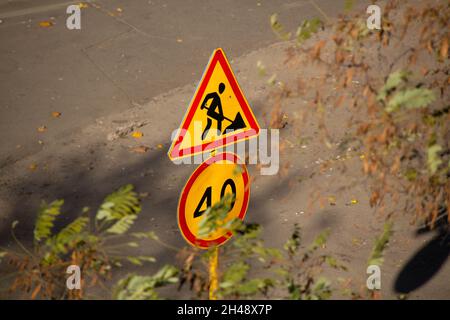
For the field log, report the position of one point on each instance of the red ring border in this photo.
(187, 234)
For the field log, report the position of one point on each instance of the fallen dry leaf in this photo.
(444, 49)
(45, 24)
(140, 149)
(32, 167)
(119, 10)
(36, 292)
(82, 5)
(332, 200)
(42, 129)
(56, 114)
(160, 146)
(137, 134)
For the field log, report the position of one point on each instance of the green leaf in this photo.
(293, 243)
(433, 158)
(46, 216)
(123, 202)
(278, 28)
(253, 286)
(235, 274)
(321, 290)
(134, 261)
(410, 99)
(122, 225)
(376, 257)
(393, 81)
(334, 263)
(348, 5)
(306, 29)
(147, 235)
(320, 240)
(70, 233)
(411, 174)
(139, 260)
(214, 217)
(132, 244)
(134, 287)
(2, 255)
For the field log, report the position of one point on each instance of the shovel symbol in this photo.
(236, 124)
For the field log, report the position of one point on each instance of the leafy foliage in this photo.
(307, 28)
(41, 268)
(376, 257)
(278, 28)
(396, 104)
(394, 79)
(215, 217)
(250, 269)
(46, 217)
(122, 203)
(433, 158)
(135, 287)
(71, 232)
(402, 97)
(122, 225)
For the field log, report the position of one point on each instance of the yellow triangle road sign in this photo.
(218, 114)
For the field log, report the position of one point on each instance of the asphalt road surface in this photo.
(125, 53)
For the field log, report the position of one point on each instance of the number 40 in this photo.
(207, 195)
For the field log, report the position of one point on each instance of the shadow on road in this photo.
(426, 262)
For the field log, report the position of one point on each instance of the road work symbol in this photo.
(236, 124)
(218, 115)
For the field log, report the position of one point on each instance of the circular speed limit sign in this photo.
(213, 179)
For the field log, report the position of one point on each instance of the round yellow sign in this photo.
(211, 181)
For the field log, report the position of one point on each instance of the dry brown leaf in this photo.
(339, 101)
(315, 52)
(45, 24)
(339, 56)
(430, 46)
(444, 49)
(42, 129)
(56, 114)
(348, 77)
(140, 149)
(35, 291)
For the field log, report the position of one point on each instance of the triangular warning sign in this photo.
(218, 115)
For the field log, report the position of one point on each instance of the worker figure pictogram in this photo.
(216, 103)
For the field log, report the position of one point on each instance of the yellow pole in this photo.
(213, 278)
